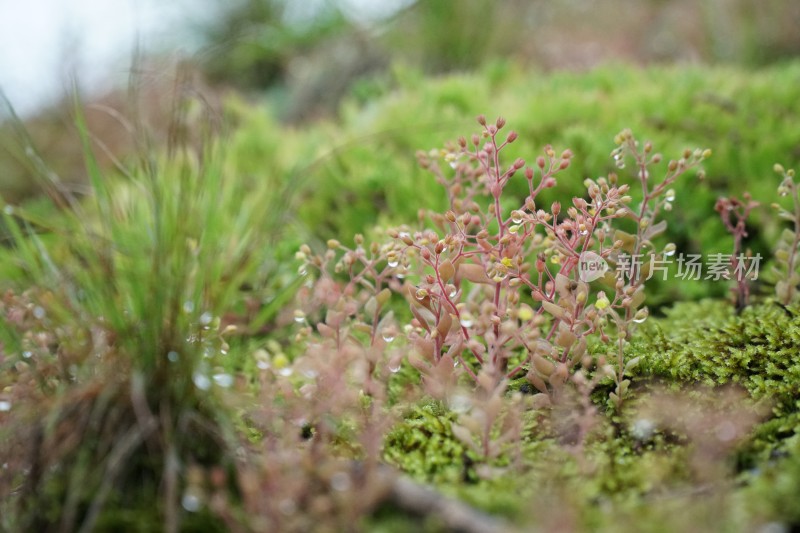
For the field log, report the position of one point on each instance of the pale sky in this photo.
(42, 42)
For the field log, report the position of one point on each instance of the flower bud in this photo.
(481, 120)
(555, 208)
(512, 136)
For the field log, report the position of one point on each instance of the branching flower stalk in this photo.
(734, 214)
(637, 258)
(498, 292)
(787, 253)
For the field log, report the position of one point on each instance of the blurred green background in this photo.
(335, 96)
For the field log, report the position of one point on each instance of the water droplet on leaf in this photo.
(190, 502)
(223, 380)
(201, 381)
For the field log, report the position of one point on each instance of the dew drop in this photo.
(452, 293)
(421, 294)
(466, 321)
(206, 318)
(640, 320)
(190, 502)
(188, 306)
(670, 196)
(8, 210)
(643, 429)
(27, 354)
(784, 193)
(299, 316)
(172, 356)
(516, 219)
(5, 405)
(38, 312)
(669, 250)
(262, 365)
(388, 336)
(460, 403)
(393, 263)
(394, 368)
(285, 372)
(201, 381)
(584, 232)
(302, 270)
(223, 380)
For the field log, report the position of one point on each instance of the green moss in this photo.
(423, 445)
(707, 343)
(362, 170)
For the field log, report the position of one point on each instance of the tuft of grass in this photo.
(117, 325)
